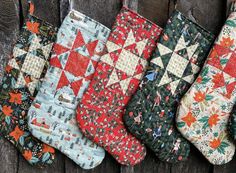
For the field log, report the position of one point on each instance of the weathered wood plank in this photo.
(151, 164)
(9, 29)
(47, 10)
(195, 164)
(108, 165)
(131, 4)
(208, 13)
(156, 11)
(104, 11)
(64, 9)
(228, 168)
(57, 167)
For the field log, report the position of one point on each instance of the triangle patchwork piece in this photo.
(91, 47)
(195, 68)
(174, 85)
(90, 69)
(139, 76)
(191, 50)
(55, 62)
(113, 78)
(141, 46)
(18, 52)
(125, 84)
(20, 81)
(75, 86)
(13, 64)
(47, 49)
(79, 41)
(107, 59)
(158, 61)
(32, 85)
(111, 47)
(181, 44)
(130, 39)
(188, 78)
(63, 81)
(35, 44)
(163, 50)
(82, 50)
(165, 79)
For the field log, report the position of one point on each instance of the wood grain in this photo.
(108, 164)
(227, 168)
(156, 11)
(57, 167)
(104, 11)
(151, 164)
(47, 10)
(208, 13)
(9, 29)
(64, 9)
(195, 164)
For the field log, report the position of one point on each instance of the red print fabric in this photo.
(117, 77)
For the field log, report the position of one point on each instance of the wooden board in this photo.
(210, 14)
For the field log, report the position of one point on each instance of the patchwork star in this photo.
(224, 61)
(182, 58)
(128, 59)
(76, 63)
(29, 64)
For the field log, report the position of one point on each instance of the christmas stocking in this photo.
(117, 76)
(20, 84)
(150, 115)
(204, 111)
(80, 41)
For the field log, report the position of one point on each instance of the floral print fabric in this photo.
(80, 42)
(20, 84)
(150, 115)
(204, 111)
(132, 40)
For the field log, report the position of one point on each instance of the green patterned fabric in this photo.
(150, 115)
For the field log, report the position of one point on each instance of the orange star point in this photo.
(15, 98)
(189, 119)
(7, 110)
(17, 133)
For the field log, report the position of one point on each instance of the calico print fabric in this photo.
(150, 114)
(204, 111)
(20, 84)
(117, 76)
(80, 42)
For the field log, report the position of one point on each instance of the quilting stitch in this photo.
(80, 42)
(117, 76)
(150, 113)
(205, 109)
(20, 84)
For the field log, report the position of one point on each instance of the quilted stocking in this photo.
(80, 41)
(117, 76)
(150, 115)
(20, 84)
(204, 111)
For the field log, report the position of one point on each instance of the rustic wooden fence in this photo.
(209, 13)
